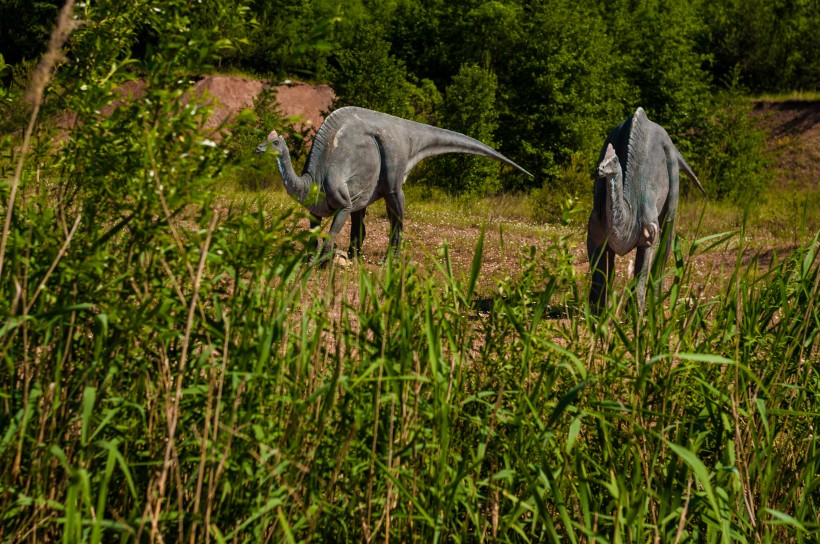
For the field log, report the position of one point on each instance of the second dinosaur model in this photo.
(635, 203)
(359, 156)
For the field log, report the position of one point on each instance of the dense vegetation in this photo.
(171, 371)
(564, 72)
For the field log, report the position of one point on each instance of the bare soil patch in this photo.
(309, 103)
(794, 140)
(230, 95)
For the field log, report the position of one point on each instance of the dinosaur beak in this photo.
(261, 148)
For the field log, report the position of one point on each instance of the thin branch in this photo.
(39, 80)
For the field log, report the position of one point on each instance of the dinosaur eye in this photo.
(276, 142)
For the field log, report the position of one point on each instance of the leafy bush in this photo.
(367, 75)
(469, 108)
(558, 199)
(731, 152)
(561, 90)
(768, 46)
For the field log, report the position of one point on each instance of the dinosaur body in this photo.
(635, 203)
(359, 156)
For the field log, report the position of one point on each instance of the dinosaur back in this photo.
(324, 136)
(631, 141)
(637, 147)
(423, 140)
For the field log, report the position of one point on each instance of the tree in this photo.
(367, 75)
(657, 40)
(32, 21)
(470, 108)
(774, 44)
(563, 88)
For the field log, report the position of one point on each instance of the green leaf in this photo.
(89, 397)
(781, 518)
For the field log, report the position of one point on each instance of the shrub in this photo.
(470, 108)
(558, 199)
(367, 75)
(730, 151)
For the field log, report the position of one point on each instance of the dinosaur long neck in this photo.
(297, 187)
(619, 213)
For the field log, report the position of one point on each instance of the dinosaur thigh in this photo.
(653, 210)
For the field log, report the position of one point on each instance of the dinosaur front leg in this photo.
(330, 243)
(357, 232)
(643, 262)
(395, 212)
(662, 252)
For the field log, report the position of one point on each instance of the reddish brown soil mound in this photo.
(311, 102)
(231, 95)
(234, 94)
(794, 128)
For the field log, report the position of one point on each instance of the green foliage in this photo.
(772, 45)
(557, 201)
(565, 90)
(469, 108)
(15, 110)
(171, 371)
(424, 99)
(27, 26)
(732, 152)
(657, 44)
(291, 37)
(367, 75)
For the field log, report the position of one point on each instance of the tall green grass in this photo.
(251, 399)
(173, 372)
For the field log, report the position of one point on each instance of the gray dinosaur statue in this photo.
(635, 203)
(359, 156)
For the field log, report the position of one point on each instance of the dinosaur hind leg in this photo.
(395, 212)
(643, 257)
(314, 244)
(602, 265)
(357, 232)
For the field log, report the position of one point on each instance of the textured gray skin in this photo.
(635, 203)
(359, 156)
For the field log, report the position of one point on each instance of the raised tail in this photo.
(439, 141)
(688, 171)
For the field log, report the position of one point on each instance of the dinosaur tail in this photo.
(688, 171)
(439, 141)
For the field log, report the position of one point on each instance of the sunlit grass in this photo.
(807, 96)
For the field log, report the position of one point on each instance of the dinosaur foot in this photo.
(341, 259)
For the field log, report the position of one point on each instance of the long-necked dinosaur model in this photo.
(359, 156)
(635, 202)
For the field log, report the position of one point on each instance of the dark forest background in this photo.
(542, 80)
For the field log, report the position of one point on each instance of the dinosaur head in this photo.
(609, 166)
(274, 140)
